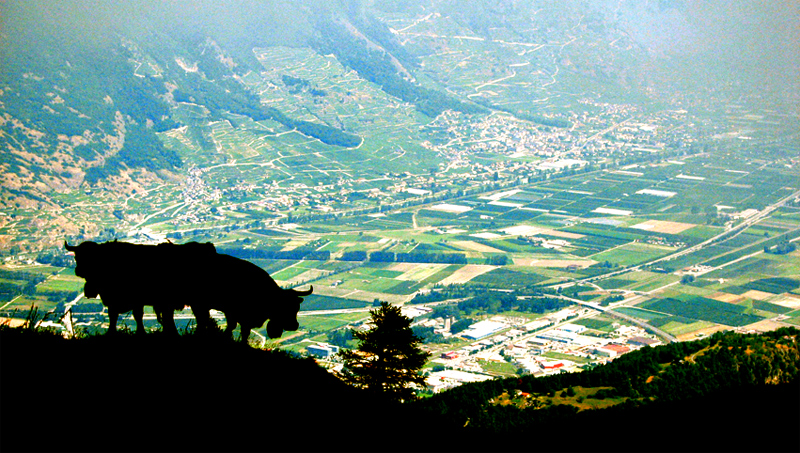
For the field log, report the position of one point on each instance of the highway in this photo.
(609, 311)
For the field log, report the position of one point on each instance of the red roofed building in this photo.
(643, 341)
(552, 365)
(612, 350)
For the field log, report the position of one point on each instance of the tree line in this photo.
(302, 253)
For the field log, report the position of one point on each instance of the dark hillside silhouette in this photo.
(158, 392)
(169, 276)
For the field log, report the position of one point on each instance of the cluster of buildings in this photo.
(548, 345)
(539, 347)
(457, 139)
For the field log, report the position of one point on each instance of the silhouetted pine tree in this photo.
(388, 358)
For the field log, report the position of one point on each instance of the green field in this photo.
(317, 302)
(630, 254)
(646, 315)
(602, 325)
(324, 323)
(704, 309)
(776, 285)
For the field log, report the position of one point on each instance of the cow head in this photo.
(87, 259)
(285, 316)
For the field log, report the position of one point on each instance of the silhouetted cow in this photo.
(248, 296)
(168, 276)
(129, 276)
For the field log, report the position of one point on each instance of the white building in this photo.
(482, 329)
(442, 380)
(572, 328)
(322, 350)
(536, 325)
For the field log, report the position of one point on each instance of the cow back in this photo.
(133, 273)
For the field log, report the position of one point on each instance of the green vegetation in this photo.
(388, 358)
(777, 285)
(704, 309)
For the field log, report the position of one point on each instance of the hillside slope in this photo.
(129, 393)
(154, 393)
(676, 397)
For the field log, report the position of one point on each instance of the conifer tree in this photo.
(388, 358)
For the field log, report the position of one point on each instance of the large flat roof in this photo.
(483, 329)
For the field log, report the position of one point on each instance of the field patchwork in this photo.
(788, 301)
(766, 325)
(467, 273)
(726, 297)
(664, 226)
(452, 208)
(536, 262)
(757, 295)
(528, 230)
(419, 271)
(476, 247)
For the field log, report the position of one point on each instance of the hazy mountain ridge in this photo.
(85, 101)
(93, 96)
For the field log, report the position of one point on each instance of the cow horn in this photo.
(69, 247)
(304, 293)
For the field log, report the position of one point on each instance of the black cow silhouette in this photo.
(232, 284)
(169, 276)
(129, 276)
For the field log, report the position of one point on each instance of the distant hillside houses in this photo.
(560, 164)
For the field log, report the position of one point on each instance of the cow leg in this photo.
(203, 318)
(138, 315)
(168, 321)
(112, 320)
(230, 324)
(244, 334)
